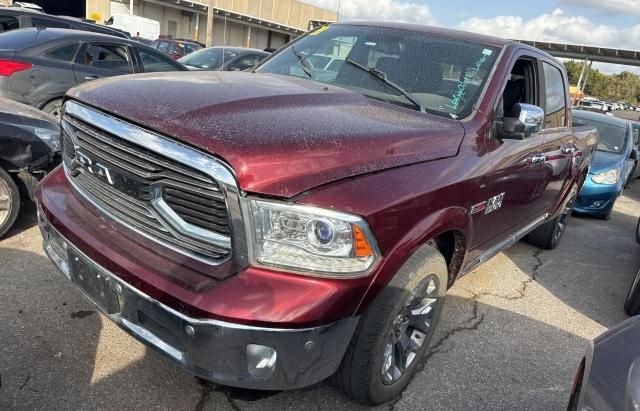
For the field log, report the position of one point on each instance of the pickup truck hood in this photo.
(603, 161)
(281, 135)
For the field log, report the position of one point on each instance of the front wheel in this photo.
(394, 334)
(9, 202)
(632, 302)
(54, 108)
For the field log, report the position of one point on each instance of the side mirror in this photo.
(635, 154)
(529, 121)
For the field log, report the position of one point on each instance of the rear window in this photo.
(8, 23)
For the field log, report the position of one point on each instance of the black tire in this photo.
(53, 107)
(361, 373)
(9, 202)
(632, 302)
(549, 234)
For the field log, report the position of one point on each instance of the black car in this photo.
(29, 148)
(608, 378)
(224, 59)
(38, 66)
(632, 302)
(12, 18)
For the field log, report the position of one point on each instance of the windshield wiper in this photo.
(380, 75)
(304, 62)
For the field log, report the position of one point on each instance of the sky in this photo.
(611, 23)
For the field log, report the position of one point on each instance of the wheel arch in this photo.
(448, 231)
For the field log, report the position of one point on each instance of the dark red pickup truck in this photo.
(270, 229)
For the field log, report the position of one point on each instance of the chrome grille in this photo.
(152, 193)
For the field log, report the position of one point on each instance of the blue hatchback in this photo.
(612, 166)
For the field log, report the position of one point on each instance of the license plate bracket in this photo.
(96, 284)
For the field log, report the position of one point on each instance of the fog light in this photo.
(596, 204)
(261, 360)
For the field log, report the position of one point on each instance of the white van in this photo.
(136, 26)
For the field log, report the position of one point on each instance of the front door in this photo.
(516, 169)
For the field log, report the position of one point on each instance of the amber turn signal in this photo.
(363, 249)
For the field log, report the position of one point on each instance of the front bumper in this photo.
(218, 351)
(597, 199)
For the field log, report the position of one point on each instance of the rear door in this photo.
(103, 59)
(558, 146)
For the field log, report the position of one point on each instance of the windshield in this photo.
(444, 76)
(210, 58)
(611, 137)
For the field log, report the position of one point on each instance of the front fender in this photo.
(449, 219)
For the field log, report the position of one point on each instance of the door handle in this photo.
(568, 150)
(89, 78)
(537, 159)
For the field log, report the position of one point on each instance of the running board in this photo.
(506, 243)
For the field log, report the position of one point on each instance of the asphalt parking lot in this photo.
(511, 336)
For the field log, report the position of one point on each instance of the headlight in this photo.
(310, 240)
(50, 138)
(608, 177)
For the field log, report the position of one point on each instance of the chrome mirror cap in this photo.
(531, 116)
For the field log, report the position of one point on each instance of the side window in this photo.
(40, 22)
(63, 53)
(108, 57)
(163, 46)
(244, 62)
(556, 110)
(152, 63)
(8, 23)
(520, 88)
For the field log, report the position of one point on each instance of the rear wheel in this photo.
(394, 334)
(54, 108)
(548, 235)
(632, 302)
(9, 202)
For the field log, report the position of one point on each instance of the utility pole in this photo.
(586, 77)
(209, 41)
(131, 7)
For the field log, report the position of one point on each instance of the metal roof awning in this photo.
(202, 8)
(593, 53)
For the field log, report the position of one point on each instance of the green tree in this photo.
(624, 86)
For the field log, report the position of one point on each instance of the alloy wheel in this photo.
(57, 113)
(5, 202)
(410, 330)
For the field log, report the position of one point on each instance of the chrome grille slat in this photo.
(194, 197)
(137, 152)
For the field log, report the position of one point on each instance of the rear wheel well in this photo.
(452, 246)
